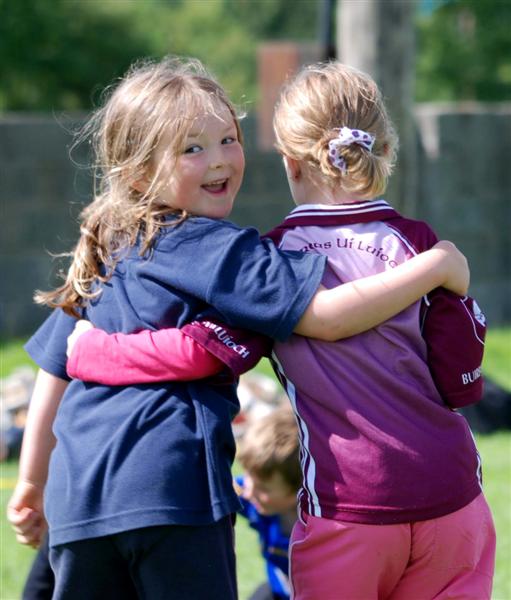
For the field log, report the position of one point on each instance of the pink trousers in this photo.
(449, 557)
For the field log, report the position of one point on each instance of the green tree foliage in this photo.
(464, 51)
(58, 54)
(55, 53)
(277, 19)
(207, 30)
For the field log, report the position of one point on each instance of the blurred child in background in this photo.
(269, 454)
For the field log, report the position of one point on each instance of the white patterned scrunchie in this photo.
(347, 137)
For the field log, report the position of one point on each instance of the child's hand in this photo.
(457, 274)
(25, 513)
(81, 327)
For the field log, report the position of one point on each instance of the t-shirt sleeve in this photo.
(454, 329)
(47, 347)
(239, 349)
(251, 283)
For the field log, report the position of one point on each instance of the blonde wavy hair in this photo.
(153, 99)
(312, 107)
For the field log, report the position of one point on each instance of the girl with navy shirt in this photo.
(138, 491)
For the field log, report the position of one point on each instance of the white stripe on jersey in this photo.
(471, 317)
(311, 210)
(399, 235)
(309, 475)
(479, 470)
(283, 580)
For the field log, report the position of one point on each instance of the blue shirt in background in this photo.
(274, 546)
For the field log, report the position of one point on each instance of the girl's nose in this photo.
(217, 159)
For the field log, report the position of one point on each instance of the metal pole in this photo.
(326, 35)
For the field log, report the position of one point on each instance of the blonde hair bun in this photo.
(313, 107)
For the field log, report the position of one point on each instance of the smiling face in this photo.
(208, 168)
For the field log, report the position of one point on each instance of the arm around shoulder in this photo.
(359, 305)
(143, 357)
(199, 350)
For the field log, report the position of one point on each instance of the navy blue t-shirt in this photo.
(159, 454)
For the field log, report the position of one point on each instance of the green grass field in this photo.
(495, 451)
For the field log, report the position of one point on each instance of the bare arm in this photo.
(362, 304)
(25, 508)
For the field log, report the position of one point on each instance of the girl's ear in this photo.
(293, 168)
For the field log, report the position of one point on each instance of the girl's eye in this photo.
(193, 149)
(229, 140)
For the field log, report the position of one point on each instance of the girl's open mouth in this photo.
(216, 187)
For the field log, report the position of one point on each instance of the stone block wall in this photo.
(40, 197)
(465, 192)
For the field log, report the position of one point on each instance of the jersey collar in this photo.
(339, 214)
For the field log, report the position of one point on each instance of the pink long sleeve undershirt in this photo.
(119, 359)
